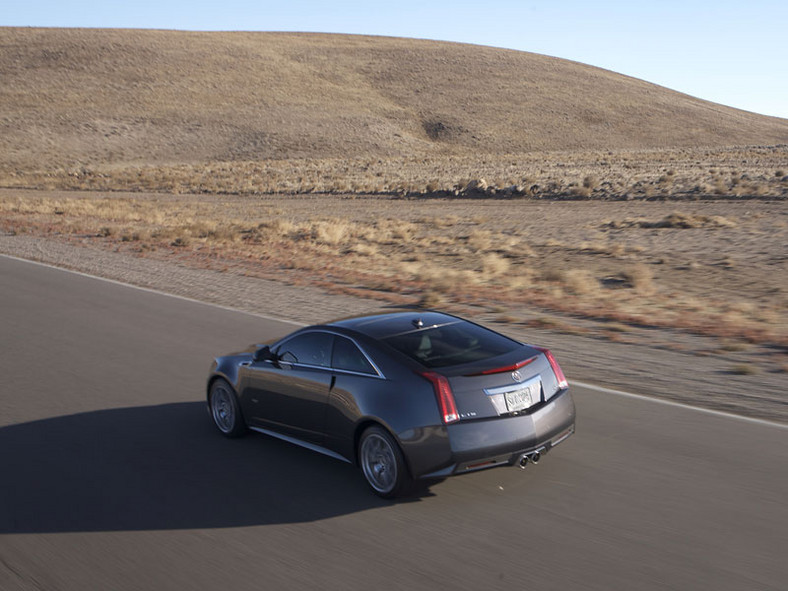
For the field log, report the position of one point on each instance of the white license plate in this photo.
(524, 397)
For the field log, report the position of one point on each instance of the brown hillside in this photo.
(72, 96)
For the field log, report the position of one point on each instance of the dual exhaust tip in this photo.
(533, 456)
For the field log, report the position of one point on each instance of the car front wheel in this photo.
(382, 463)
(225, 411)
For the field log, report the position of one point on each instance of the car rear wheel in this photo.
(225, 411)
(382, 463)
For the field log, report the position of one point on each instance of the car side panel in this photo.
(343, 412)
(406, 408)
(227, 367)
(286, 398)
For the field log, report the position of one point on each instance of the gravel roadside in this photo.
(660, 363)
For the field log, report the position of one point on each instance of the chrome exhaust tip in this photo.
(535, 457)
(523, 462)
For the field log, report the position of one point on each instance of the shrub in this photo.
(580, 282)
(581, 191)
(331, 231)
(480, 240)
(590, 182)
(430, 299)
(640, 278)
(364, 249)
(494, 265)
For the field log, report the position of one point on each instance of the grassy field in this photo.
(706, 267)
(99, 99)
(645, 174)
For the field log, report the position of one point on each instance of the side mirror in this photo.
(263, 354)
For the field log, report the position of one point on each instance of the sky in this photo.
(729, 52)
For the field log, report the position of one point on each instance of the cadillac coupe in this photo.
(407, 396)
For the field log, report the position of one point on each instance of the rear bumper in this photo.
(476, 445)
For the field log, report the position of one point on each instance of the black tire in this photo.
(225, 410)
(382, 463)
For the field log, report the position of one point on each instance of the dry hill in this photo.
(124, 97)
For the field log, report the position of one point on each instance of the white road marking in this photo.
(718, 413)
(644, 397)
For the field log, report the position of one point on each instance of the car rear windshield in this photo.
(451, 344)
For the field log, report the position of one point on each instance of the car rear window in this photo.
(451, 344)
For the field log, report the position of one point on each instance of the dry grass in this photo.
(555, 324)
(580, 282)
(178, 111)
(676, 220)
(743, 369)
(621, 175)
(640, 278)
(261, 151)
(511, 256)
(494, 265)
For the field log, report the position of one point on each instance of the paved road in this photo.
(112, 477)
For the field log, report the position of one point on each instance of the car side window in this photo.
(309, 348)
(347, 356)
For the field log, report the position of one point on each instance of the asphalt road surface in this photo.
(113, 477)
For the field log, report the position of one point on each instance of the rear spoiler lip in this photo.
(512, 367)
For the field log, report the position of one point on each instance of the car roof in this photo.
(379, 326)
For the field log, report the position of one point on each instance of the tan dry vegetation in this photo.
(624, 174)
(545, 256)
(273, 113)
(109, 101)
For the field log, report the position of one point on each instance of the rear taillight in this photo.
(559, 375)
(444, 396)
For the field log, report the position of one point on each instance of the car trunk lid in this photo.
(509, 384)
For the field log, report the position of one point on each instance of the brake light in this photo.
(559, 375)
(513, 367)
(444, 396)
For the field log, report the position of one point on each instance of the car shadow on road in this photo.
(163, 467)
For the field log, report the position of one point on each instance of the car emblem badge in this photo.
(516, 376)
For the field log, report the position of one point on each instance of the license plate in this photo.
(523, 398)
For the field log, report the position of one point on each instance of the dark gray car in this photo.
(405, 395)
